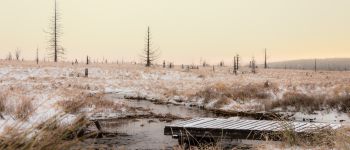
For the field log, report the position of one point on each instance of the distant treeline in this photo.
(334, 64)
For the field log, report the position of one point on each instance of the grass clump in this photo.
(308, 103)
(24, 109)
(96, 101)
(340, 103)
(299, 101)
(48, 135)
(3, 100)
(224, 93)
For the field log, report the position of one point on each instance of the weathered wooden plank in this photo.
(240, 128)
(213, 124)
(238, 123)
(257, 124)
(185, 122)
(198, 122)
(260, 128)
(229, 123)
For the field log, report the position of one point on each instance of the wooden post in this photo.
(86, 72)
(87, 60)
(37, 56)
(315, 66)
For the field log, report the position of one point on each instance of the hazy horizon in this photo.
(184, 31)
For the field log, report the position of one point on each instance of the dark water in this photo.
(144, 133)
(177, 110)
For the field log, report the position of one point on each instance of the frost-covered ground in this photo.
(47, 84)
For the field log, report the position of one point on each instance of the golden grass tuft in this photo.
(24, 109)
(77, 103)
(224, 92)
(3, 100)
(311, 103)
(45, 137)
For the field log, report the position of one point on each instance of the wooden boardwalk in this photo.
(241, 129)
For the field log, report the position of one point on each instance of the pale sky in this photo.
(183, 30)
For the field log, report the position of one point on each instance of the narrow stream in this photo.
(142, 133)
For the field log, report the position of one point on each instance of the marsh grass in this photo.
(76, 104)
(48, 135)
(324, 138)
(224, 93)
(3, 100)
(24, 109)
(311, 103)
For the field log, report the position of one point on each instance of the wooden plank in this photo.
(254, 125)
(179, 124)
(260, 128)
(213, 124)
(229, 123)
(231, 126)
(198, 122)
(240, 128)
(243, 126)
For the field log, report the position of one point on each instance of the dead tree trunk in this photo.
(265, 64)
(237, 62)
(56, 51)
(87, 60)
(150, 55)
(315, 66)
(253, 66)
(86, 72)
(37, 56)
(234, 65)
(17, 54)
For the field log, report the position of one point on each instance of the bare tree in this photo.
(149, 55)
(222, 64)
(17, 53)
(234, 65)
(56, 51)
(9, 56)
(253, 65)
